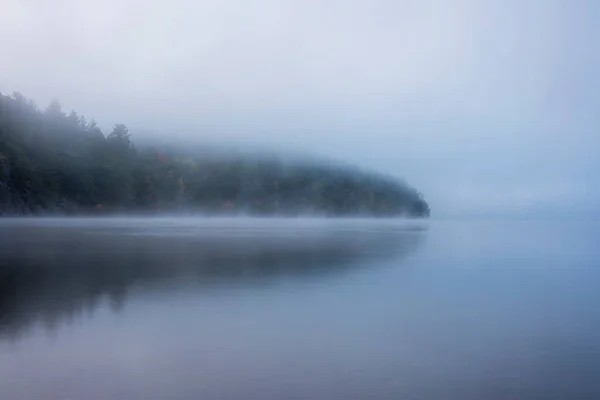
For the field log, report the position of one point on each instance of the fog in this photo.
(488, 108)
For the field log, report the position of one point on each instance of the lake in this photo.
(212, 308)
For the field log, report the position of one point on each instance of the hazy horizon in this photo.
(488, 108)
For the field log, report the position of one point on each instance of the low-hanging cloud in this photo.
(482, 105)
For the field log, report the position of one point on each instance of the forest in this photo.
(53, 162)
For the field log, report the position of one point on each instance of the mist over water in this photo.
(54, 269)
(175, 125)
(212, 308)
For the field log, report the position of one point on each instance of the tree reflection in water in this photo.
(54, 272)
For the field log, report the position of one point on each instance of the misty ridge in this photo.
(52, 162)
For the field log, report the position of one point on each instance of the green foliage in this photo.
(51, 161)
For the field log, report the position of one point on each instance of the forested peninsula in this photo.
(52, 162)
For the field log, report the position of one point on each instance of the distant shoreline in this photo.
(57, 163)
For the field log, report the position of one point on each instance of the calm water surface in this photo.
(174, 308)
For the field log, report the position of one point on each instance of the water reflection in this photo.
(52, 271)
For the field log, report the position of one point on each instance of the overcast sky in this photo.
(488, 107)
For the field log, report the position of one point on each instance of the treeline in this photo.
(54, 162)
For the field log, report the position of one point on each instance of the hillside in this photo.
(53, 162)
